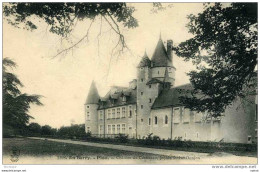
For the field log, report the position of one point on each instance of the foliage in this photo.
(48, 130)
(72, 131)
(34, 128)
(61, 17)
(16, 105)
(122, 138)
(224, 48)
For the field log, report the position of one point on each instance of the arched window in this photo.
(166, 119)
(155, 120)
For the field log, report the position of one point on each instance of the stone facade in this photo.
(150, 105)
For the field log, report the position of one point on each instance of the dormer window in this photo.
(124, 98)
(112, 101)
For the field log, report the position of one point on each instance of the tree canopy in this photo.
(16, 105)
(62, 17)
(224, 49)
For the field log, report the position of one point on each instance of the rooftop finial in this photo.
(160, 35)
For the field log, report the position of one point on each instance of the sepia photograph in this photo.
(127, 83)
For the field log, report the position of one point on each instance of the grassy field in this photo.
(29, 147)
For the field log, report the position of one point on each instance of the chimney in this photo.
(169, 48)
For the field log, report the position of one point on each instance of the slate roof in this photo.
(169, 98)
(93, 96)
(160, 57)
(154, 80)
(115, 97)
(145, 61)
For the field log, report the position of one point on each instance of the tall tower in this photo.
(162, 60)
(143, 108)
(91, 113)
(153, 76)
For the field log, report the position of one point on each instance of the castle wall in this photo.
(123, 122)
(185, 127)
(239, 123)
(161, 129)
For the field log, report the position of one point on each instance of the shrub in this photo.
(122, 138)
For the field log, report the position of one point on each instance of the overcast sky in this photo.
(64, 81)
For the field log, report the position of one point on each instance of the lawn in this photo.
(37, 148)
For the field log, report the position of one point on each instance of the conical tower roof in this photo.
(160, 57)
(145, 61)
(93, 96)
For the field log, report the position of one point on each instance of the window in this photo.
(142, 106)
(142, 120)
(158, 72)
(150, 100)
(87, 106)
(186, 116)
(185, 135)
(123, 128)
(118, 113)
(130, 111)
(142, 80)
(123, 112)
(100, 115)
(113, 113)
(101, 129)
(150, 86)
(108, 129)
(197, 134)
(113, 129)
(149, 121)
(249, 139)
(108, 114)
(88, 116)
(142, 93)
(155, 120)
(166, 119)
(176, 116)
(118, 128)
(88, 130)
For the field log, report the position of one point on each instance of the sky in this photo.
(64, 81)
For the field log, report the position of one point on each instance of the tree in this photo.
(62, 17)
(16, 105)
(34, 128)
(224, 48)
(77, 130)
(48, 130)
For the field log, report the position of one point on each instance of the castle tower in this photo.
(91, 106)
(162, 60)
(147, 91)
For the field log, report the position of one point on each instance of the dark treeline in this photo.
(36, 130)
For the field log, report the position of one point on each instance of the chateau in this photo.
(151, 105)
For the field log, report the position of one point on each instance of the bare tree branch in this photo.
(74, 45)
